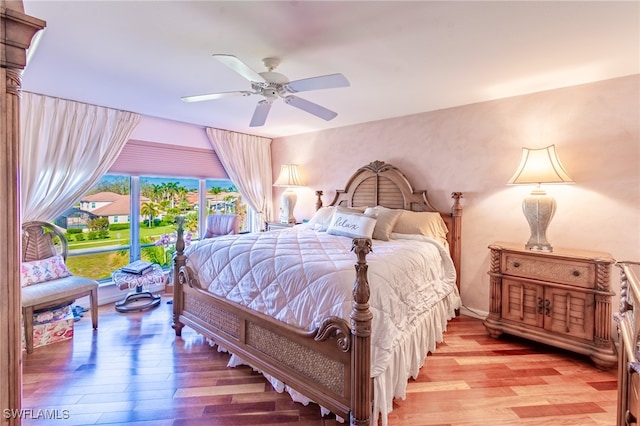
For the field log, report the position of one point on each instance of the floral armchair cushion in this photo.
(38, 271)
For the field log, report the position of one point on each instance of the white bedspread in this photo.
(301, 277)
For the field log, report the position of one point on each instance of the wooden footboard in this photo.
(330, 365)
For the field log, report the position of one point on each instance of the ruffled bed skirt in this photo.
(409, 356)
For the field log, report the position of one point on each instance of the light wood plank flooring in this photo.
(134, 371)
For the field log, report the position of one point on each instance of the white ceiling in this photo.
(401, 58)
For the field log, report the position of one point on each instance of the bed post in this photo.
(456, 216)
(178, 261)
(318, 199)
(361, 317)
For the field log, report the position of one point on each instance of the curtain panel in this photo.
(247, 160)
(66, 148)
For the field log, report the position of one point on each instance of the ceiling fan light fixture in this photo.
(271, 63)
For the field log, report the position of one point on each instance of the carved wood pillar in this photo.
(16, 32)
(361, 318)
(603, 303)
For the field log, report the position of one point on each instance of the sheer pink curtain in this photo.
(66, 148)
(247, 161)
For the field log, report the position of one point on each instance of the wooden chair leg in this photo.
(93, 302)
(27, 318)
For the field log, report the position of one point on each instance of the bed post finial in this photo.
(178, 261)
(456, 233)
(361, 317)
(319, 199)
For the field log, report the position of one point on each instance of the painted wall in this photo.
(159, 130)
(476, 148)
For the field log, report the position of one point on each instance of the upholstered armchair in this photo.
(46, 281)
(221, 224)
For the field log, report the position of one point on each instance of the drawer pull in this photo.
(516, 264)
(576, 273)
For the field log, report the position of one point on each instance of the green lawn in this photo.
(99, 266)
(121, 237)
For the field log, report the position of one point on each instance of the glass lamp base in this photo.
(539, 210)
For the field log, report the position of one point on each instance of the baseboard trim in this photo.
(475, 313)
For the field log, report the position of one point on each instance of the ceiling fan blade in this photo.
(260, 113)
(240, 67)
(211, 96)
(310, 107)
(315, 83)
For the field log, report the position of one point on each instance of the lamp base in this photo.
(288, 201)
(538, 209)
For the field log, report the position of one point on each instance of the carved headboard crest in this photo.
(381, 184)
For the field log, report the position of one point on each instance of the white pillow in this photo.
(321, 219)
(385, 221)
(352, 225)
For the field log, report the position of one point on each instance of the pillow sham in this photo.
(354, 225)
(385, 221)
(38, 271)
(321, 219)
(344, 209)
(429, 224)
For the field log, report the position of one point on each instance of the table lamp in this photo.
(289, 177)
(539, 166)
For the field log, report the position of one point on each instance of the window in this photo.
(161, 200)
(97, 244)
(100, 238)
(223, 197)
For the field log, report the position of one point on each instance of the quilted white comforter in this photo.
(301, 276)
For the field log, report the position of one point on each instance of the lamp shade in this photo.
(540, 166)
(289, 176)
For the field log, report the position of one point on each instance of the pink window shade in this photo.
(141, 158)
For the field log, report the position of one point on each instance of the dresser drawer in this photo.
(581, 274)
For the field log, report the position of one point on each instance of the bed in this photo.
(348, 356)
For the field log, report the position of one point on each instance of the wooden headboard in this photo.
(382, 184)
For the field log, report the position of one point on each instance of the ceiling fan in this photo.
(272, 85)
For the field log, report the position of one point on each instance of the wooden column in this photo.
(179, 261)
(16, 32)
(361, 319)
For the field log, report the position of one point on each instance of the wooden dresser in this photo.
(628, 320)
(560, 298)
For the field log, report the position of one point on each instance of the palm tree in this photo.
(149, 209)
(170, 190)
(215, 191)
(156, 193)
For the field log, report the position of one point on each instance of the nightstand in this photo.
(270, 226)
(560, 298)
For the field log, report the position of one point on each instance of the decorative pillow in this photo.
(385, 221)
(354, 225)
(429, 224)
(351, 209)
(321, 219)
(38, 271)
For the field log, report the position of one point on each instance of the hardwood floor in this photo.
(134, 371)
